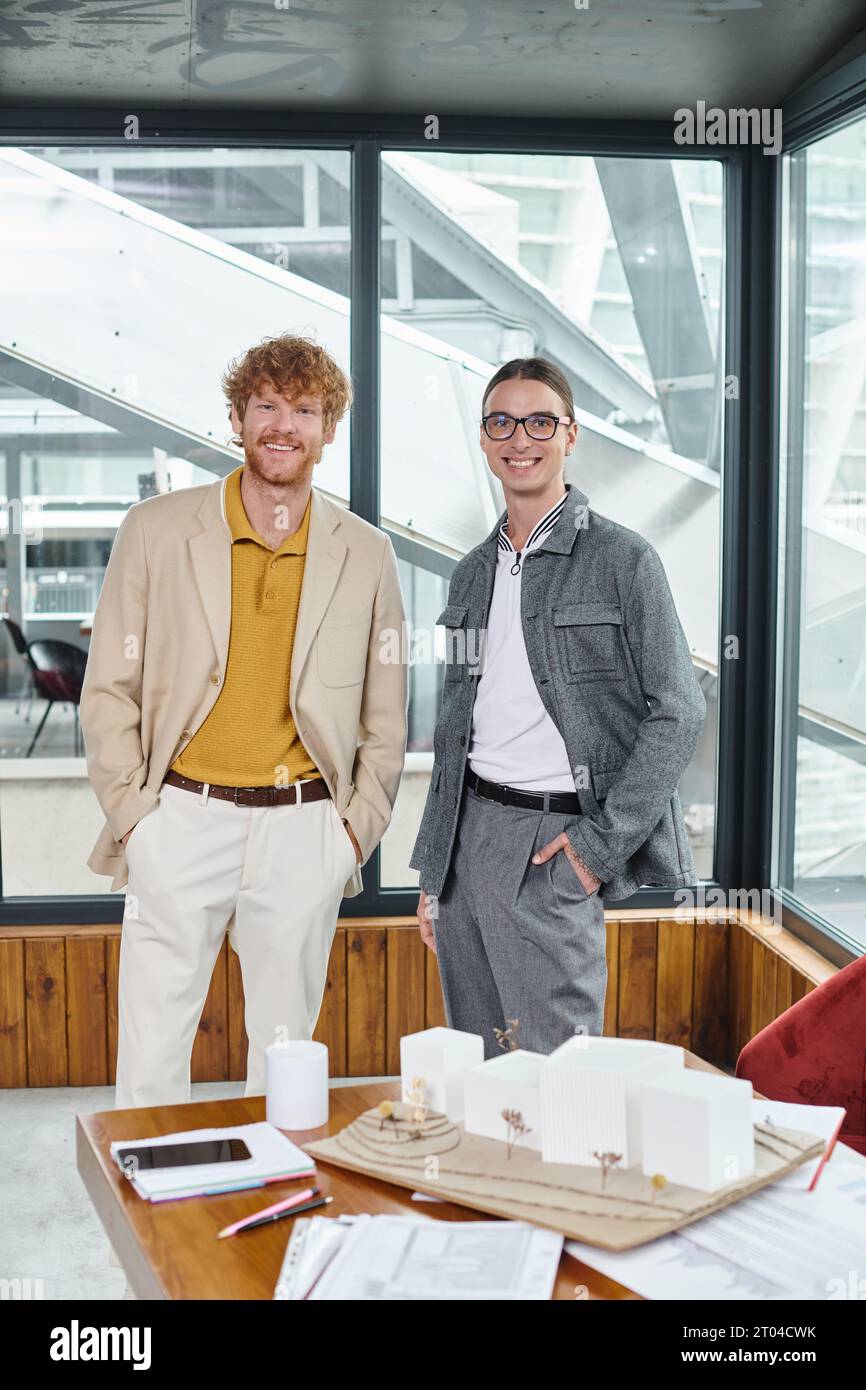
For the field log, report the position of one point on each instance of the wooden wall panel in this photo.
(237, 1033)
(404, 990)
(85, 1011)
(711, 1029)
(210, 1053)
(434, 1004)
(611, 998)
(675, 966)
(764, 968)
(365, 980)
(13, 1014)
(706, 984)
(740, 988)
(783, 987)
(45, 992)
(637, 978)
(112, 971)
(331, 1025)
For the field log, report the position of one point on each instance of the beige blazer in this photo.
(159, 648)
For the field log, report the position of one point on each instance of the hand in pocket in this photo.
(126, 837)
(589, 881)
(351, 834)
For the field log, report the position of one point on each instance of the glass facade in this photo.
(131, 278)
(154, 268)
(820, 856)
(612, 268)
(174, 261)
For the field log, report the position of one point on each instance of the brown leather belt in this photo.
(314, 790)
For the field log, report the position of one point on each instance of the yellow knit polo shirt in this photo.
(249, 738)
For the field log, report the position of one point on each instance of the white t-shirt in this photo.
(514, 741)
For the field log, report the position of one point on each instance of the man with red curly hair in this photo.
(243, 736)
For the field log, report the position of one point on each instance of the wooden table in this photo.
(170, 1250)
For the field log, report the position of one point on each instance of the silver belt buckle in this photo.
(485, 797)
(253, 789)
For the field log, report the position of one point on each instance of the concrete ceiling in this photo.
(612, 59)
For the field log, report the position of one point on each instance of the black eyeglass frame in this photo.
(522, 419)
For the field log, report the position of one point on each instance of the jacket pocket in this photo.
(341, 649)
(602, 780)
(453, 619)
(589, 641)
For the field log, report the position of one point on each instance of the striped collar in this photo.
(538, 532)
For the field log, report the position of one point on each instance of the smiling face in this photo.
(283, 435)
(527, 466)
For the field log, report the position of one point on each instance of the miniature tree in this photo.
(607, 1161)
(515, 1127)
(386, 1110)
(417, 1092)
(506, 1037)
(658, 1181)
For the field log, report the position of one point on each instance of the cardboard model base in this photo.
(436, 1156)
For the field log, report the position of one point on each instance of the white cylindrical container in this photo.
(296, 1085)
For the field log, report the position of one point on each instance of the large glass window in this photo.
(820, 852)
(613, 269)
(130, 278)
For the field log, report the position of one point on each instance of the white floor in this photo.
(49, 1232)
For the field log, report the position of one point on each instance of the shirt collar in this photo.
(539, 530)
(242, 529)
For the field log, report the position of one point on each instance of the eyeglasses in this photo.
(538, 426)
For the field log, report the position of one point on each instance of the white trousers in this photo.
(193, 861)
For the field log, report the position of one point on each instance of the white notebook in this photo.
(272, 1156)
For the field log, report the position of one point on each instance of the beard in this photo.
(302, 460)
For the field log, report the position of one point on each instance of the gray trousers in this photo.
(517, 940)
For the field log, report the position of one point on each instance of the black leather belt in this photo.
(566, 802)
(314, 790)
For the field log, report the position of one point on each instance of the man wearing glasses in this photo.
(570, 709)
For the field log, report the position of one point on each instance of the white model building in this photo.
(590, 1097)
(509, 1082)
(698, 1129)
(441, 1056)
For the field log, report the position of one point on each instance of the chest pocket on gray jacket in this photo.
(590, 641)
(453, 619)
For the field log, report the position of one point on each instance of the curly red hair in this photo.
(292, 365)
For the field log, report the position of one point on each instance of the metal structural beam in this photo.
(656, 246)
(604, 382)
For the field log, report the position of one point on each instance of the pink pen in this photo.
(295, 1200)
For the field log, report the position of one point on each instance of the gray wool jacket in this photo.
(613, 669)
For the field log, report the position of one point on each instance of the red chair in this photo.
(815, 1052)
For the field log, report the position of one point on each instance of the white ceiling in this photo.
(613, 59)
